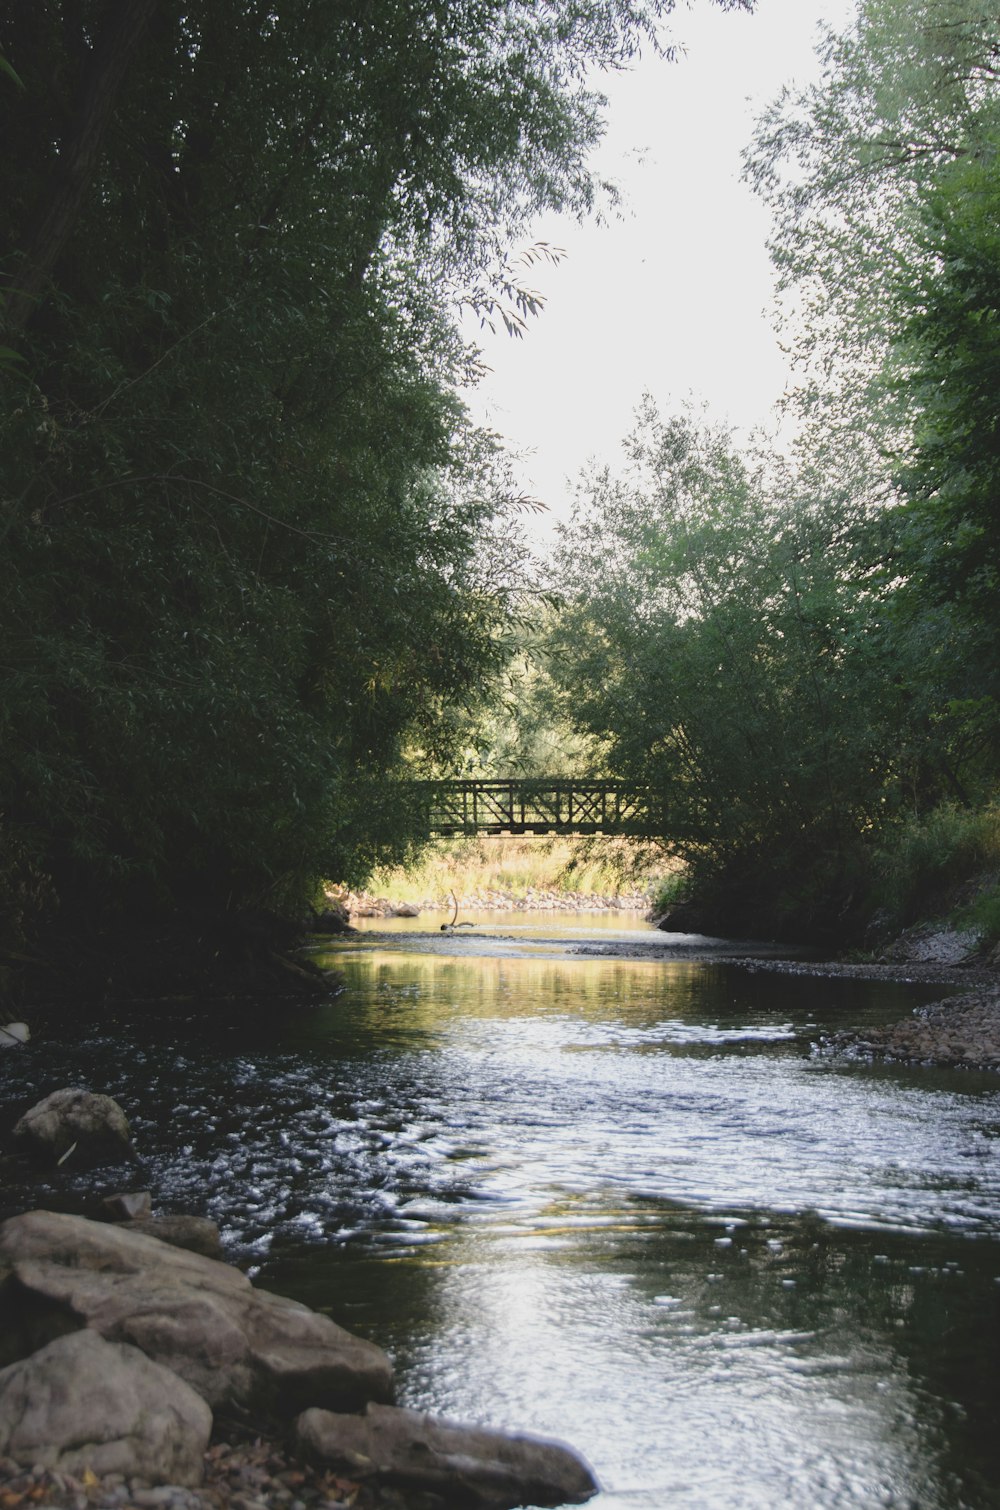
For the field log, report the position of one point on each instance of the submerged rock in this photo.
(82, 1404)
(203, 1319)
(463, 1466)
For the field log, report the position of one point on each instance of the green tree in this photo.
(906, 90)
(884, 184)
(721, 636)
(243, 516)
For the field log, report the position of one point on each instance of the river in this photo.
(626, 1203)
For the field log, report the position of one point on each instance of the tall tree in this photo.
(719, 638)
(908, 88)
(884, 183)
(243, 517)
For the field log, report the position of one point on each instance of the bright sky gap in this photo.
(674, 296)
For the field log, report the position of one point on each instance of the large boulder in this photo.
(82, 1403)
(78, 1124)
(404, 910)
(472, 1467)
(201, 1318)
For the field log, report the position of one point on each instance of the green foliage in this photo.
(254, 558)
(884, 183)
(924, 860)
(523, 731)
(721, 635)
(950, 550)
(907, 90)
(668, 890)
(982, 917)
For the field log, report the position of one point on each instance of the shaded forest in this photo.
(258, 566)
(260, 569)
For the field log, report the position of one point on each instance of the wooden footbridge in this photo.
(538, 805)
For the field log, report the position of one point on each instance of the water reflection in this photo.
(623, 1203)
(731, 1361)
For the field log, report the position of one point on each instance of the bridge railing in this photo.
(535, 805)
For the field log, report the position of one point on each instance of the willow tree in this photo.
(242, 512)
(720, 638)
(884, 183)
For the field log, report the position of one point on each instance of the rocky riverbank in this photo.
(137, 1372)
(128, 1360)
(960, 1030)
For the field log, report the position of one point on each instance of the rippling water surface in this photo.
(627, 1204)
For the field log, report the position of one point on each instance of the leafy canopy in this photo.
(253, 553)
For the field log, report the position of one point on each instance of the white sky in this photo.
(674, 297)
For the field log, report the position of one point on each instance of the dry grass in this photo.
(516, 865)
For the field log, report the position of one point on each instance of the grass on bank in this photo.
(946, 863)
(515, 865)
(943, 865)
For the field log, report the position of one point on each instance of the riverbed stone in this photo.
(76, 1124)
(82, 1403)
(468, 1467)
(934, 944)
(197, 1233)
(962, 1031)
(201, 1318)
(128, 1205)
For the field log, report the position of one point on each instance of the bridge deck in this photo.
(556, 805)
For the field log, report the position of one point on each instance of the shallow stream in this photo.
(625, 1203)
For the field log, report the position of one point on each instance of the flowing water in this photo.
(628, 1204)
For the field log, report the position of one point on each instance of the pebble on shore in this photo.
(253, 1475)
(962, 1031)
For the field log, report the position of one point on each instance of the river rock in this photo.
(465, 1466)
(199, 1234)
(934, 944)
(128, 1205)
(89, 1128)
(334, 918)
(82, 1403)
(203, 1319)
